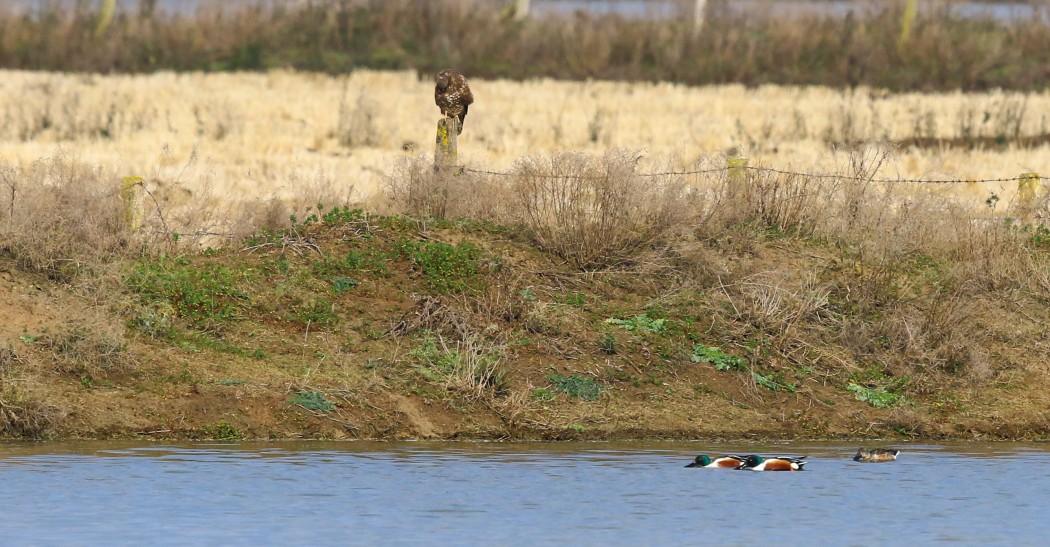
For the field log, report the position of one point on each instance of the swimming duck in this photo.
(728, 462)
(876, 455)
(776, 463)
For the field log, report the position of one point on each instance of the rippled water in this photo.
(1002, 10)
(515, 494)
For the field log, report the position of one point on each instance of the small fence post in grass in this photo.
(446, 150)
(1027, 188)
(132, 196)
(698, 17)
(911, 10)
(522, 10)
(736, 163)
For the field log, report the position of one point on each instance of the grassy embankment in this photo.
(601, 303)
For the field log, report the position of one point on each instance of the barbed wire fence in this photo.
(727, 169)
(736, 167)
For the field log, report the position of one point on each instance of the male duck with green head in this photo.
(724, 462)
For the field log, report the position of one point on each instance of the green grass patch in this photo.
(543, 394)
(204, 294)
(580, 387)
(876, 397)
(312, 400)
(221, 430)
(773, 381)
(721, 360)
(447, 268)
(640, 323)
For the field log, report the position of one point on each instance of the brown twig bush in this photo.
(416, 187)
(59, 215)
(90, 350)
(597, 211)
(23, 416)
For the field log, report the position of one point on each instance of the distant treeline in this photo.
(940, 51)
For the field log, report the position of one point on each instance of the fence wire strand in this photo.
(769, 170)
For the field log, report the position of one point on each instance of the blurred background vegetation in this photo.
(893, 47)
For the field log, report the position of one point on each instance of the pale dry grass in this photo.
(283, 141)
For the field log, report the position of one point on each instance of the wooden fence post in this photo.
(911, 11)
(522, 11)
(446, 151)
(1027, 188)
(131, 194)
(698, 17)
(105, 17)
(736, 163)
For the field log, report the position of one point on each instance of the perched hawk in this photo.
(452, 95)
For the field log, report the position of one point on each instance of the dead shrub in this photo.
(22, 416)
(59, 215)
(90, 351)
(417, 188)
(596, 211)
(9, 358)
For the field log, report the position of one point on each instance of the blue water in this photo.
(1002, 10)
(514, 494)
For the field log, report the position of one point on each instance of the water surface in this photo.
(515, 494)
(1000, 10)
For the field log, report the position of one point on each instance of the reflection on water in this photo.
(1002, 10)
(515, 494)
(1006, 11)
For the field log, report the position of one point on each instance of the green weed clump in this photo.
(575, 385)
(447, 268)
(875, 396)
(220, 431)
(205, 294)
(639, 323)
(312, 400)
(721, 360)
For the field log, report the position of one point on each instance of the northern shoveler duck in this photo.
(728, 462)
(775, 463)
(876, 455)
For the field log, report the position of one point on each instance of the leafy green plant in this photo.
(607, 343)
(319, 311)
(642, 323)
(581, 387)
(542, 394)
(722, 361)
(448, 268)
(876, 397)
(342, 215)
(342, 285)
(28, 339)
(773, 381)
(576, 299)
(204, 294)
(221, 430)
(312, 400)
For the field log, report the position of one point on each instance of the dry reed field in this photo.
(223, 142)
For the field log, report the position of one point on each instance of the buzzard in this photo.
(452, 95)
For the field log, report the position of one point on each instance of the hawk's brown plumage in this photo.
(452, 95)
